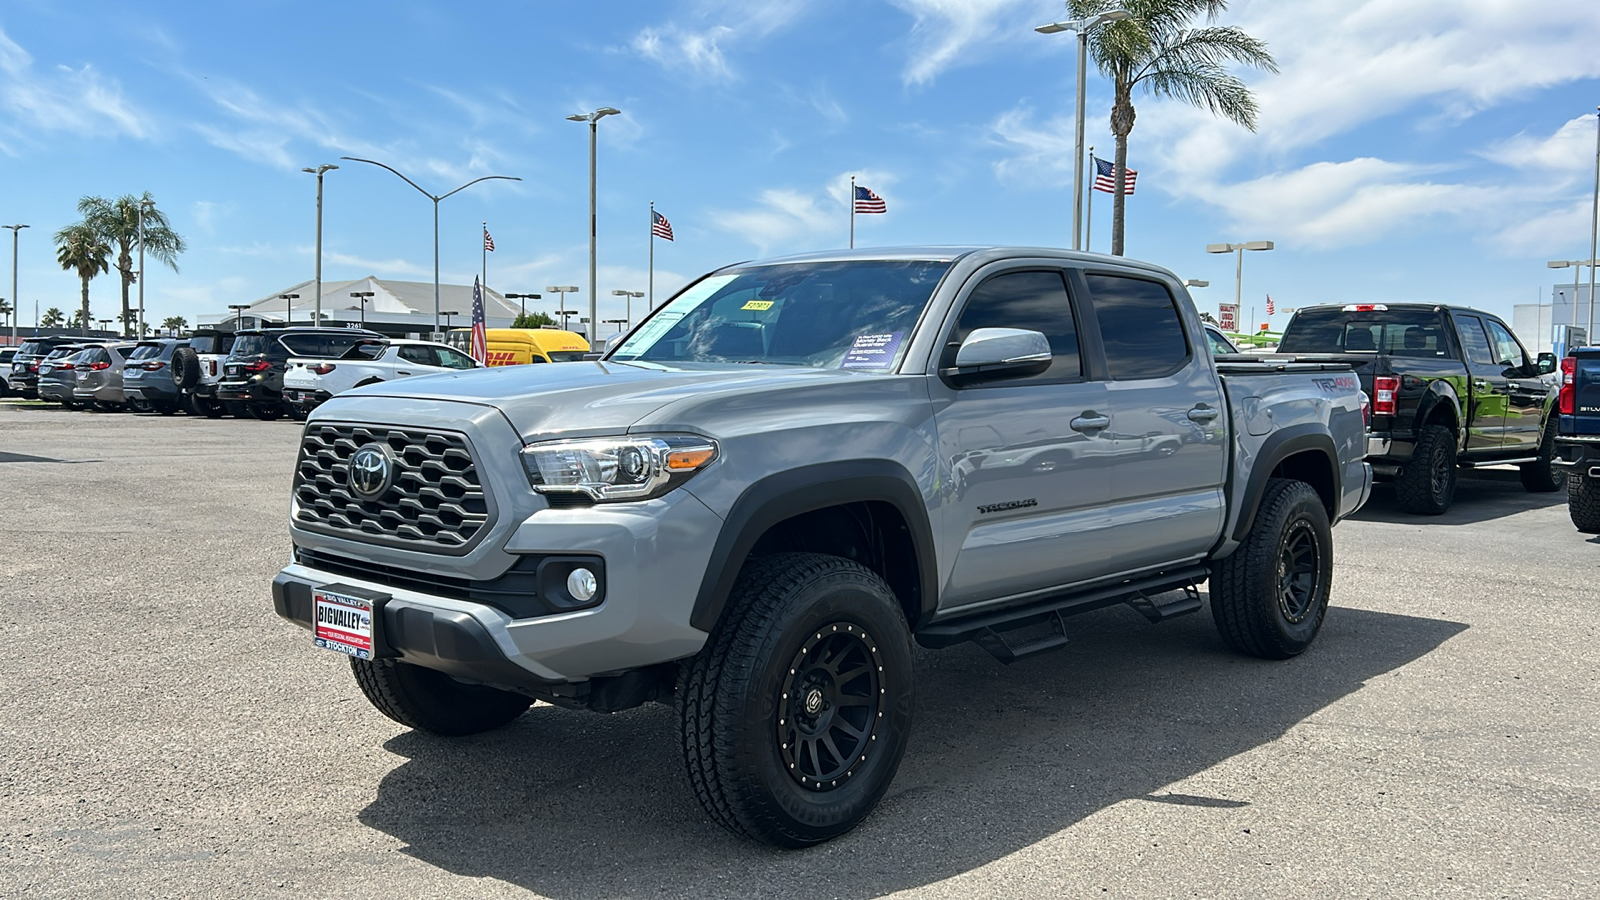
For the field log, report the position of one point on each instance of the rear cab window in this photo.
(1140, 327)
(1395, 332)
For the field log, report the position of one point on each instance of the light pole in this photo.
(288, 308)
(1081, 26)
(593, 119)
(435, 200)
(524, 298)
(318, 171)
(143, 202)
(16, 302)
(362, 297)
(1576, 265)
(561, 296)
(1594, 231)
(1238, 267)
(630, 295)
(447, 314)
(238, 314)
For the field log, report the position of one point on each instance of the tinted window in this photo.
(95, 355)
(1139, 326)
(422, 356)
(452, 359)
(365, 350)
(563, 356)
(253, 344)
(146, 351)
(319, 346)
(1507, 352)
(1474, 340)
(1399, 332)
(1036, 301)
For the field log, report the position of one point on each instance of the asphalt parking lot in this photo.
(164, 734)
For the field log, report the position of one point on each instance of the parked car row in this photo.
(261, 373)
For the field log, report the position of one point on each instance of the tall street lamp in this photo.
(238, 314)
(1238, 266)
(318, 171)
(16, 302)
(362, 297)
(1594, 231)
(1576, 265)
(593, 119)
(561, 296)
(288, 308)
(630, 295)
(1082, 27)
(143, 202)
(435, 199)
(524, 298)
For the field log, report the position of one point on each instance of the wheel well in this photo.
(871, 532)
(1311, 466)
(1441, 414)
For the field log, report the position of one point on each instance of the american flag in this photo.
(1105, 177)
(868, 202)
(659, 226)
(488, 240)
(1270, 308)
(480, 330)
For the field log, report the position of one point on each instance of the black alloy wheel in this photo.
(830, 706)
(1299, 572)
(1270, 596)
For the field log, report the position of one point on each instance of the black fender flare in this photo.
(369, 380)
(787, 494)
(1440, 392)
(1279, 446)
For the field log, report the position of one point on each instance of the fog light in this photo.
(581, 584)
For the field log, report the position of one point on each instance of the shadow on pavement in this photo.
(577, 805)
(1481, 495)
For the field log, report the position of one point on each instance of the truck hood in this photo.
(590, 398)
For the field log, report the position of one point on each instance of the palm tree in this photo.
(81, 249)
(118, 223)
(174, 324)
(52, 318)
(1156, 49)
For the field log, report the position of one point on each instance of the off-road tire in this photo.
(432, 701)
(1427, 484)
(767, 658)
(267, 410)
(1583, 503)
(1540, 477)
(210, 407)
(1269, 598)
(185, 368)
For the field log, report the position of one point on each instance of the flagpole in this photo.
(852, 212)
(1088, 219)
(485, 250)
(652, 301)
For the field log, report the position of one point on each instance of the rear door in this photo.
(1171, 456)
(1491, 389)
(1024, 460)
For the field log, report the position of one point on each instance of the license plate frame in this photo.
(348, 620)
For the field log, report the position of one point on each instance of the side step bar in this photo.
(1480, 463)
(988, 630)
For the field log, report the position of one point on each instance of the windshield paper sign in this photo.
(873, 351)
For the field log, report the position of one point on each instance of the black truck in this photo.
(1578, 436)
(1451, 387)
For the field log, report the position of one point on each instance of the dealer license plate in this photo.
(342, 623)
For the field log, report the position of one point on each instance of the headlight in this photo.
(625, 468)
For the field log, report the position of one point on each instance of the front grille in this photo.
(435, 501)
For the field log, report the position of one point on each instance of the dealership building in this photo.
(394, 308)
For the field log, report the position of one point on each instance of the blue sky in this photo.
(1409, 149)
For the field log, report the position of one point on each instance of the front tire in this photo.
(1269, 598)
(1539, 476)
(795, 714)
(432, 701)
(1427, 485)
(1583, 503)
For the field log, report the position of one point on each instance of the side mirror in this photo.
(1001, 353)
(1546, 363)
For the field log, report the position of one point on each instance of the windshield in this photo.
(1397, 332)
(851, 315)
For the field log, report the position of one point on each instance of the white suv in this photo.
(308, 382)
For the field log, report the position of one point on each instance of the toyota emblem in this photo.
(371, 472)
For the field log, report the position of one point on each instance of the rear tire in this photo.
(1583, 503)
(1427, 484)
(795, 714)
(432, 701)
(210, 407)
(1270, 597)
(1540, 477)
(267, 411)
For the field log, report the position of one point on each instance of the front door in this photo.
(1526, 392)
(1491, 390)
(1025, 460)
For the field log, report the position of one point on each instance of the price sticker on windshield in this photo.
(873, 351)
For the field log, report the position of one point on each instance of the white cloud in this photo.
(787, 220)
(1570, 151)
(675, 48)
(945, 33)
(698, 48)
(78, 101)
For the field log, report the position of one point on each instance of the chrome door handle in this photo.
(1202, 414)
(1090, 422)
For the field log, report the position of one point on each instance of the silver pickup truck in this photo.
(754, 504)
